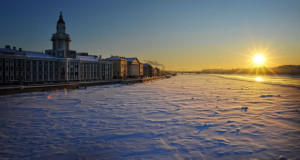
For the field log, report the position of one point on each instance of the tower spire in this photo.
(60, 20)
(60, 40)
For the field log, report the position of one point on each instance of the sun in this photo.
(259, 59)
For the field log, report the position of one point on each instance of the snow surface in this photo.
(285, 80)
(184, 117)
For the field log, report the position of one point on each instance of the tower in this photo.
(60, 40)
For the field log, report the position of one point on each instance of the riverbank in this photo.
(16, 89)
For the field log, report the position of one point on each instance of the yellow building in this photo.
(119, 66)
(134, 67)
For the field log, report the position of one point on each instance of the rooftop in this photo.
(115, 58)
(37, 54)
(131, 59)
(88, 58)
(25, 53)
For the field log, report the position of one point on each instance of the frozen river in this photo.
(184, 117)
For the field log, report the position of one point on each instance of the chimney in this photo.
(7, 46)
(14, 48)
(20, 49)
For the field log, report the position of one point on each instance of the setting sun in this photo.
(259, 59)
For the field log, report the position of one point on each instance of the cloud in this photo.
(154, 63)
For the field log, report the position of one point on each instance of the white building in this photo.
(106, 69)
(17, 66)
(93, 68)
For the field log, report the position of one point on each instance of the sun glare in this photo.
(259, 59)
(258, 79)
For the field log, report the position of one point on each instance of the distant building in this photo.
(156, 71)
(141, 69)
(148, 70)
(134, 67)
(119, 66)
(93, 68)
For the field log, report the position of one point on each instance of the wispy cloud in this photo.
(154, 63)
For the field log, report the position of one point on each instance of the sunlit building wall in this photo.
(119, 66)
(133, 67)
(141, 69)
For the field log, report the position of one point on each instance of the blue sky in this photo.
(189, 35)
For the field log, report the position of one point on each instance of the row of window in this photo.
(39, 71)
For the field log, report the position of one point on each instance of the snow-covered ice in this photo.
(184, 117)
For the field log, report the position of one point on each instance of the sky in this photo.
(180, 34)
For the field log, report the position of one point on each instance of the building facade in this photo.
(148, 70)
(106, 70)
(156, 71)
(17, 66)
(119, 66)
(141, 70)
(134, 67)
(94, 68)
(26, 67)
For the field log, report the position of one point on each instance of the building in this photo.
(18, 66)
(93, 67)
(89, 67)
(134, 67)
(25, 67)
(141, 69)
(119, 66)
(156, 71)
(59, 64)
(148, 70)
